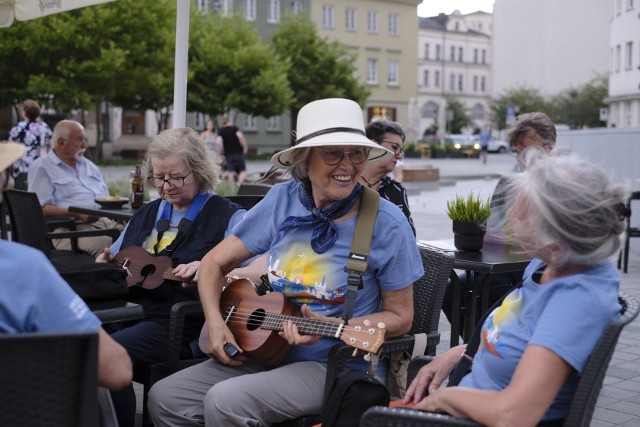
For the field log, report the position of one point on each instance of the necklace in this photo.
(369, 184)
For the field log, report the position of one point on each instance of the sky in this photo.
(434, 7)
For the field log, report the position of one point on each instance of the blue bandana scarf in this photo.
(325, 232)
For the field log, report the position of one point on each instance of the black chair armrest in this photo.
(405, 343)
(382, 416)
(112, 232)
(54, 222)
(415, 365)
(179, 312)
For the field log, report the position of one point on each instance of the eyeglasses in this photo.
(334, 157)
(395, 147)
(174, 181)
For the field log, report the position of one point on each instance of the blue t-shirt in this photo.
(34, 298)
(566, 315)
(319, 280)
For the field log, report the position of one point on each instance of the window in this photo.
(250, 122)
(394, 24)
(296, 7)
(372, 71)
(452, 56)
(436, 79)
(475, 83)
(351, 23)
(372, 21)
(628, 60)
(483, 80)
(250, 10)
(457, 26)
(475, 56)
(327, 16)
(273, 124)
(273, 14)
(477, 112)
(394, 70)
(484, 56)
(460, 85)
(426, 51)
(425, 78)
(617, 60)
(629, 111)
(460, 54)
(202, 6)
(429, 110)
(618, 6)
(438, 51)
(629, 4)
(452, 82)
(227, 7)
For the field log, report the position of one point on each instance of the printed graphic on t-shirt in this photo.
(302, 275)
(167, 237)
(499, 317)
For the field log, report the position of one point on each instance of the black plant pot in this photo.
(468, 236)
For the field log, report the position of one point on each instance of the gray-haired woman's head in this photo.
(186, 143)
(567, 209)
(540, 123)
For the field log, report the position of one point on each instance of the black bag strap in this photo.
(464, 365)
(360, 246)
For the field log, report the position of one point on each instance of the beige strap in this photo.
(363, 232)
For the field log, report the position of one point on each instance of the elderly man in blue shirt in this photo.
(64, 177)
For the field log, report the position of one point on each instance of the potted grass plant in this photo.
(469, 215)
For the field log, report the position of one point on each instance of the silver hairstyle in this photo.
(572, 205)
(186, 143)
(299, 169)
(62, 131)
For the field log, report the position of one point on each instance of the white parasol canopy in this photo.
(25, 10)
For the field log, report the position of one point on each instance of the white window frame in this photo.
(628, 56)
(484, 56)
(452, 52)
(273, 13)
(426, 51)
(438, 52)
(483, 84)
(425, 78)
(227, 7)
(460, 83)
(351, 19)
(436, 79)
(429, 110)
(250, 123)
(394, 24)
(460, 54)
(273, 124)
(617, 59)
(372, 71)
(296, 7)
(475, 83)
(203, 6)
(250, 10)
(452, 82)
(393, 78)
(372, 22)
(328, 16)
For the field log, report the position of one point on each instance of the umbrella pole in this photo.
(181, 64)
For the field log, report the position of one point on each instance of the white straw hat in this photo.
(9, 153)
(326, 122)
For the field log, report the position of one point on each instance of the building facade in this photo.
(454, 60)
(624, 54)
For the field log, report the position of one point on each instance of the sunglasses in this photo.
(334, 157)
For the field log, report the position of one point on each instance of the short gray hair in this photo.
(573, 205)
(186, 143)
(541, 124)
(62, 131)
(299, 169)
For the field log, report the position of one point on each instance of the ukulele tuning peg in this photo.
(367, 322)
(381, 325)
(367, 357)
(355, 352)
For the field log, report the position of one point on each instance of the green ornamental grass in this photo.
(470, 209)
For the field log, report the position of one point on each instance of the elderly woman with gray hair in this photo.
(568, 216)
(183, 224)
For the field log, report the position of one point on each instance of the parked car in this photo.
(462, 142)
(498, 146)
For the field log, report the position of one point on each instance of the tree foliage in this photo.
(230, 67)
(522, 98)
(319, 68)
(459, 116)
(580, 107)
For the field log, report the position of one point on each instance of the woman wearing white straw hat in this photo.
(307, 227)
(9, 151)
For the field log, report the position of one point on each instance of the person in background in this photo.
(35, 135)
(210, 137)
(44, 302)
(306, 225)
(391, 136)
(65, 177)
(234, 146)
(485, 137)
(184, 223)
(568, 216)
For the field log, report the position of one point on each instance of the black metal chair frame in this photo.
(582, 404)
(253, 189)
(623, 258)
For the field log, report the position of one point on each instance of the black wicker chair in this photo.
(582, 405)
(253, 189)
(49, 379)
(623, 258)
(29, 226)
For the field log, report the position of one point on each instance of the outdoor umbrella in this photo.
(25, 10)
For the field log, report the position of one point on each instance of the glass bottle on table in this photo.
(137, 189)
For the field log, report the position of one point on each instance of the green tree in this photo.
(579, 107)
(319, 68)
(231, 68)
(526, 100)
(459, 117)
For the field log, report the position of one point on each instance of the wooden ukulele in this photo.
(255, 320)
(146, 274)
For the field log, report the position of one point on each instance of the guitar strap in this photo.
(165, 220)
(360, 246)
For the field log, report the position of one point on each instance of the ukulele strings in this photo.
(275, 320)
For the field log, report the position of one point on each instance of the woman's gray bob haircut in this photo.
(186, 143)
(572, 205)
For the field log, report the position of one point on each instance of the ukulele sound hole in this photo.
(148, 270)
(255, 319)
